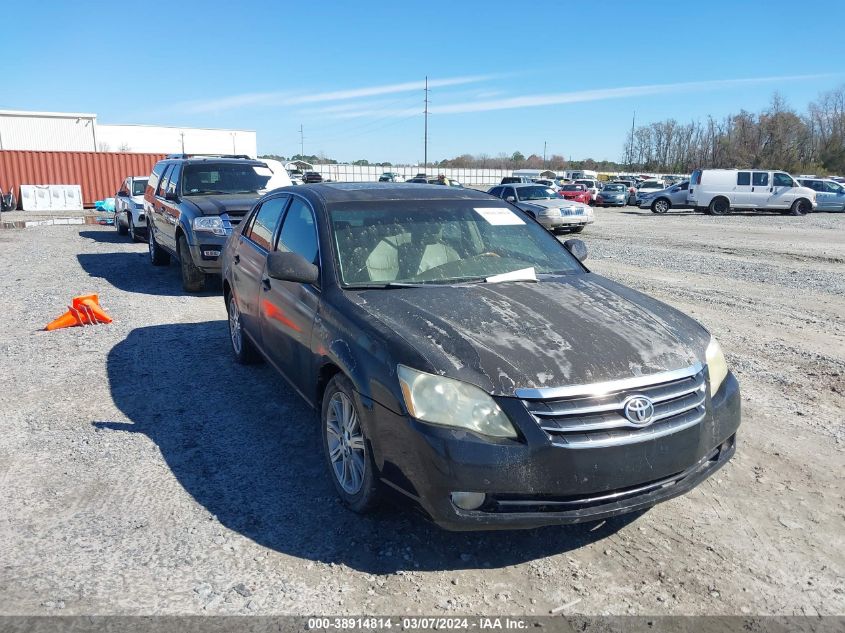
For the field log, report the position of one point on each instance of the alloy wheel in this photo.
(235, 325)
(346, 443)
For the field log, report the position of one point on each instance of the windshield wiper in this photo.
(390, 285)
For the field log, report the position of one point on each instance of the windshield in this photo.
(651, 184)
(138, 186)
(536, 193)
(573, 188)
(588, 183)
(202, 178)
(439, 241)
(614, 188)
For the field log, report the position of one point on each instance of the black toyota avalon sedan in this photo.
(462, 356)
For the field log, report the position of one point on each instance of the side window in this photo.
(124, 188)
(165, 180)
(496, 191)
(264, 222)
(684, 186)
(817, 185)
(743, 178)
(299, 232)
(782, 180)
(832, 187)
(508, 191)
(155, 176)
(173, 183)
(760, 179)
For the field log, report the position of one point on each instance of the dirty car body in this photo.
(589, 399)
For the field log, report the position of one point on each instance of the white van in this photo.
(717, 191)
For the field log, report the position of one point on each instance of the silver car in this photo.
(612, 195)
(665, 199)
(546, 206)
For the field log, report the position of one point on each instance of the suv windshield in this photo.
(536, 193)
(439, 241)
(138, 186)
(220, 178)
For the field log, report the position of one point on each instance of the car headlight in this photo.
(449, 402)
(717, 367)
(210, 224)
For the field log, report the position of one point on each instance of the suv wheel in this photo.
(346, 448)
(244, 350)
(660, 206)
(121, 230)
(158, 256)
(133, 234)
(193, 279)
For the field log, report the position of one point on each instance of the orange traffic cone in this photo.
(84, 310)
(68, 319)
(90, 306)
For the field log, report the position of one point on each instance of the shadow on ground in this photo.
(247, 448)
(107, 236)
(132, 271)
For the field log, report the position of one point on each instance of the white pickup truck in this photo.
(129, 208)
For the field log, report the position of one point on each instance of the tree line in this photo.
(776, 138)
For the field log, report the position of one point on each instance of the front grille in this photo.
(594, 418)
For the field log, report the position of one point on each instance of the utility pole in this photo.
(631, 160)
(425, 136)
(182, 134)
(544, 154)
(301, 142)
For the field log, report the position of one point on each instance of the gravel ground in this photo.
(143, 472)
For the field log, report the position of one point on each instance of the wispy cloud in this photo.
(287, 98)
(531, 101)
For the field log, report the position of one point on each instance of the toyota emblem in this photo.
(639, 410)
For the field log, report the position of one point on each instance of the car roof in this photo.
(332, 192)
(216, 159)
(522, 185)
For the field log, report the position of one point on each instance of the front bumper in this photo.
(532, 482)
(611, 202)
(565, 221)
(207, 250)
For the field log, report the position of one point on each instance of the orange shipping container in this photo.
(98, 173)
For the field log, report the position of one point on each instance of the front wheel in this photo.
(193, 279)
(133, 234)
(660, 206)
(346, 448)
(244, 350)
(800, 207)
(121, 229)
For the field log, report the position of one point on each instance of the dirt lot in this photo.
(144, 472)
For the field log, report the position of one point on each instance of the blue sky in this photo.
(504, 76)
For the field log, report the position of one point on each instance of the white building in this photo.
(66, 131)
(56, 131)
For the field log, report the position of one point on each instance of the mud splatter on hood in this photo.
(563, 330)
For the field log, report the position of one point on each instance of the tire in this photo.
(800, 207)
(243, 349)
(719, 206)
(578, 229)
(133, 235)
(352, 470)
(193, 279)
(121, 229)
(158, 256)
(661, 206)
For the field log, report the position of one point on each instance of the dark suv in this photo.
(192, 203)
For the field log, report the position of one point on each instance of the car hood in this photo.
(560, 203)
(138, 199)
(564, 330)
(217, 205)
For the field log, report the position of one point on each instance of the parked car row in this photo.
(441, 332)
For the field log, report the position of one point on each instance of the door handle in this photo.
(237, 259)
(266, 283)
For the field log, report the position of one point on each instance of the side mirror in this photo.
(171, 195)
(577, 248)
(121, 194)
(510, 199)
(286, 266)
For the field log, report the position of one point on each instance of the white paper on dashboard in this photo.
(523, 274)
(498, 215)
